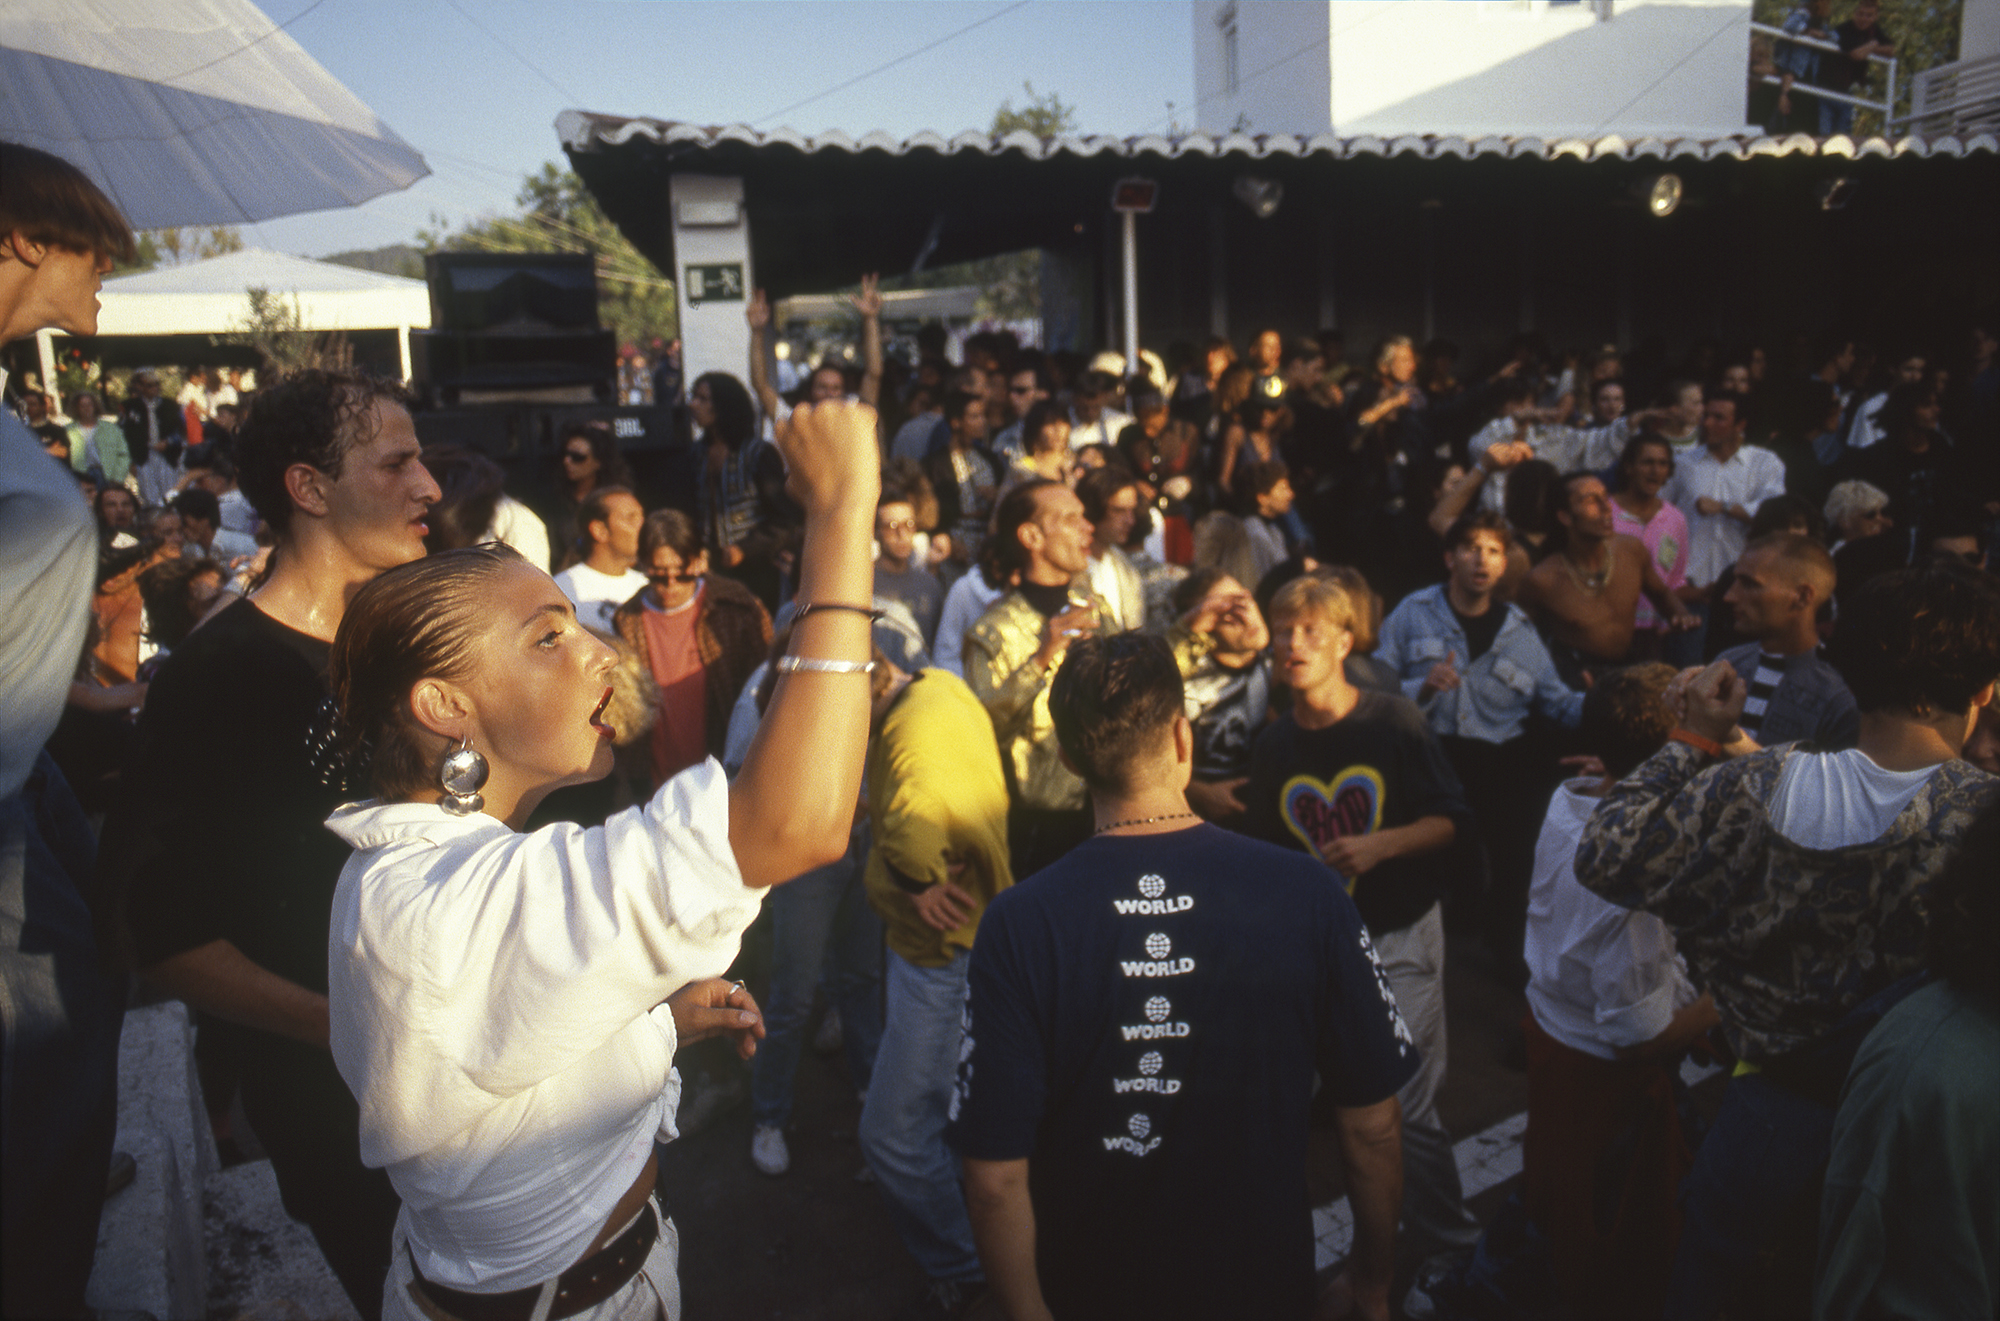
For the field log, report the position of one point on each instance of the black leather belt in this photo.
(582, 1286)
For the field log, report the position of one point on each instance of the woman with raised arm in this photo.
(506, 1006)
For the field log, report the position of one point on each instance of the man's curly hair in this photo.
(314, 417)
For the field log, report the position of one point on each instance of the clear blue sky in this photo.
(441, 74)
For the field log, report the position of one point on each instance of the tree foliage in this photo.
(275, 327)
(1925, 33)
(558, 214)
(176, 246)
(1045, 116)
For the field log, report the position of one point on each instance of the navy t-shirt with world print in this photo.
(1143, 1023)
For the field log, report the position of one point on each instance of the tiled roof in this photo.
(581, 130)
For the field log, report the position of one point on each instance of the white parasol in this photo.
(191, 112)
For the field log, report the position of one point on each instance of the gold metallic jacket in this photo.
(1001, 671)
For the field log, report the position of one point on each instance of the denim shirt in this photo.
(1496, 691)
(1802, 62)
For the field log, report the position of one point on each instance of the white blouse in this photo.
(497, 1009)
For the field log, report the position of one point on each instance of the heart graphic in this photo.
(1152, 886)
(1139, 1126)
(1159, 946)
(1319, 813)
(1158, 1008)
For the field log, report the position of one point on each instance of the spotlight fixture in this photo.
(1835, 193)
(1260, 195)
(1661, 193)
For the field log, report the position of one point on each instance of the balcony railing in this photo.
(1957, 98)
(1886, 106)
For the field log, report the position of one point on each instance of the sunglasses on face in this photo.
(576, 456)
(901, 525)
(677, 576)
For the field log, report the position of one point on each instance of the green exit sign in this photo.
(715, 284)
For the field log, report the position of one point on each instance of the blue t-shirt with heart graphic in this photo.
(1377, 768)
(1143, 1022)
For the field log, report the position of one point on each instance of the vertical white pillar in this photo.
(45, 348)
(403, 351)
(1131, 291)
(712, 273)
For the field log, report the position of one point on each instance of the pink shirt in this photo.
(1665, 539)
(680, 735)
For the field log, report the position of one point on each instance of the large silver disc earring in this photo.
(463, 776)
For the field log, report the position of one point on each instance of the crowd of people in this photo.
(1199, 698)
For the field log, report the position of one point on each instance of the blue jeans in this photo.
(1835, 117)
(902, 1126)
(60, 1016)
(1767, 1148)
(820, 919)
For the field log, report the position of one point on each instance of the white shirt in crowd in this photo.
(1104, 431)
(597, 596)
(1748, 478)
(968, 599)
(227, 548)
(1600, 977)
(234, 513)
(1834, 800)
(496, 1008)
(1866, 429)
(516, 525)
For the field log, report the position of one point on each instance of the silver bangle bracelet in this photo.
(813, 665)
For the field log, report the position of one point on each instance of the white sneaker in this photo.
(768, 1151)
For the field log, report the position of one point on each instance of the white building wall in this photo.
(1978, 29)
(1477, 67)
(1282, 63)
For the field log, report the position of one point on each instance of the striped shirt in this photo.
(1764, 682)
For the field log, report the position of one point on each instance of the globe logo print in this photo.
(1139, 1126)
(1150, 1063)
(1158, 1008)
(1158, 945)
(1152, 886)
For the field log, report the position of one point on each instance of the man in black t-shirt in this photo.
(229, 910)
(1143, 1023)
(1357, 780)
(1859, 37)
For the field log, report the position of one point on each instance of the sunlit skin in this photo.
(1308, 653)
(349, 528)
(1401, 368)
(1736, 379)
(671, 582)
(896, 534)
(44, 287)
(614, 539)
(1230, 615)
(1121, 511)
(1058, 544)
(1597, 621)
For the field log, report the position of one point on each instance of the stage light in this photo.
(1835, 193)
(1260, 195)
(1661, 193)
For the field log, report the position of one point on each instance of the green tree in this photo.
(275, 327)
(176, 245)
(1044, 116)
(557, 214)
(1925, 33)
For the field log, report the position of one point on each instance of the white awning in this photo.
(212, 297)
